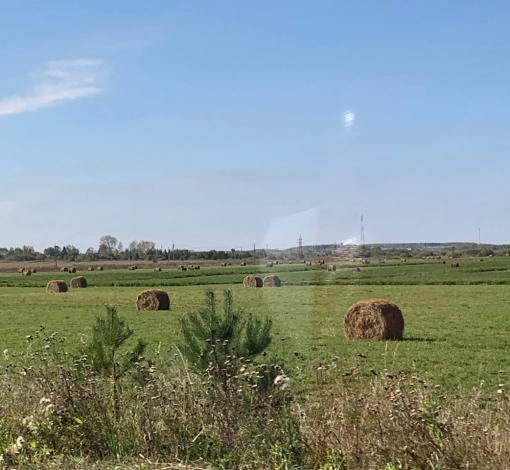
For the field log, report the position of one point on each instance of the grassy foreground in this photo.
(457, 334)
(441, 394)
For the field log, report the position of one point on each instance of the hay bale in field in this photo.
(455, 265)
(252, 281)
(357, 270)
(157, 270)
(56, 286)
(271, 281)
(20, 270)
(79, 282)
(481, 259)
(223, 264)
(269, 265)
(91, 269)
(100, 268)
(303, 261)
(331, 267)
(72, 270)
(34, 271)
(243, 264)
(153, 299)
(197, 267)
(182, 268)
(309, 263)
(291, 262)
(64, 270)
(26, 272)
(375, 319)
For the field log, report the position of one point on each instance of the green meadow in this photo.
(457, 320)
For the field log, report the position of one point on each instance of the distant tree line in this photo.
(110, 248)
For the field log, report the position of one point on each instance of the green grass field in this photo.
(457, 319)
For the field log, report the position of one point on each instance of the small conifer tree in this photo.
(211, 336)
(109, 334)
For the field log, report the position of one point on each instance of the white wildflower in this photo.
(281, 381)
(17, 447)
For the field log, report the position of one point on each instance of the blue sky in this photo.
(227, 123)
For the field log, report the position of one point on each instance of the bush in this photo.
(211, 336)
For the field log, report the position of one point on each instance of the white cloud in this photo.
(6, 207)
(58, 81)
(349, 118)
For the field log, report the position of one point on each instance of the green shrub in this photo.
(211, 336)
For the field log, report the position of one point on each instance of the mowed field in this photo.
(457, 320)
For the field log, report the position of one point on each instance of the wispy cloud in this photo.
(58, 81)
(6, 207)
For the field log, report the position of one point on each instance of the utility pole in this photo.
(362, 231)
(254, 253)
(300, 247)
(173, 251)
(479, 237)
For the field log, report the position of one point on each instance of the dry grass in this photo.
(153, 299)
(56, 286)
(78, 282)
(252, 281)
(272, 281)
(374, 319)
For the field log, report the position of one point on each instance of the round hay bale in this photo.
(79, 281)
(91, 269)
(331, 267)
(243, 264)
(56, 286)
(64, 270)
(20, 270)
(34, 271)
(357, 270)
(153, 300)
(309, 263)
(303, 261)
(375, 319)
(252, 281)
(100, 268)
(72, 270)
(223, 265)
(269, 265)
(272, 281)
(197, 267)
(157, 270)
(26, 272)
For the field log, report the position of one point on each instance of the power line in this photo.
(362, 231)
(300, 246)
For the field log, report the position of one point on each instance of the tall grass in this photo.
(239, 413)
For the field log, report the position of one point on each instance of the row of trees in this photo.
(110, 248)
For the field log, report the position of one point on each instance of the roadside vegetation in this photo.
(221, 401)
